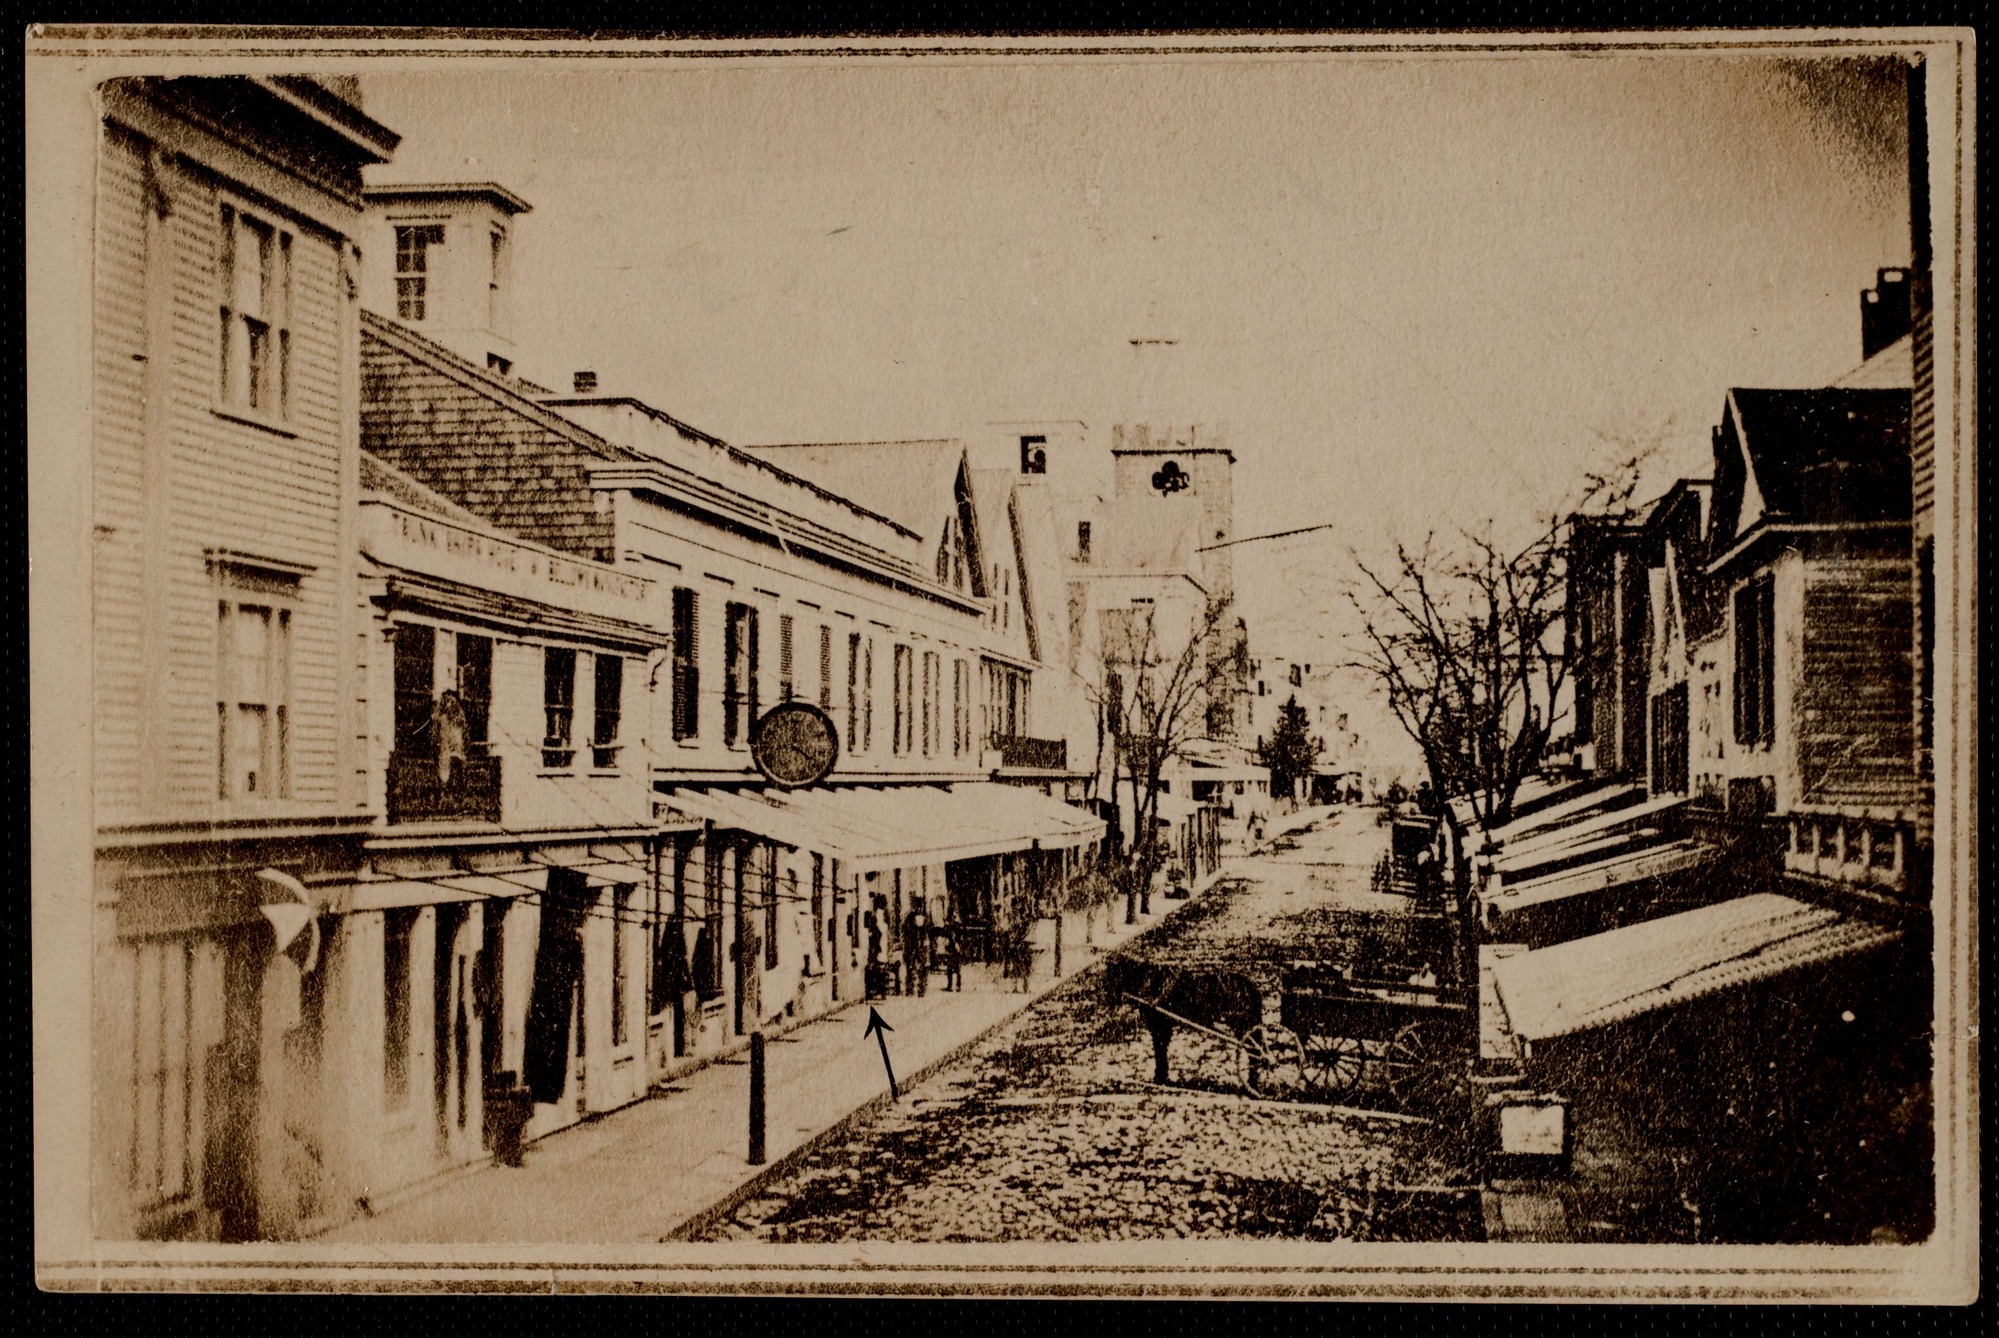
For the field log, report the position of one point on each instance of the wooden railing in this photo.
(418, 794)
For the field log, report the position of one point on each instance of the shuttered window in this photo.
(784, 657)
(740, 672)
(825, 667)
(853, 691)
(1756, 662)
(686, 666)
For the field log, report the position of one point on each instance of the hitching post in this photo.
(756, 1098)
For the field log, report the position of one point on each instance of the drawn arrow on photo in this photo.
(879, 1030)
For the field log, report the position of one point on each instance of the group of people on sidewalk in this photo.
(904, 967)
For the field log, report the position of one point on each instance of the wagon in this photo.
(1334, 1024)
(1417, 1033)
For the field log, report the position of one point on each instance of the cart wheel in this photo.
(1269, 1059)
(1333, 1064)
(1419, 1061)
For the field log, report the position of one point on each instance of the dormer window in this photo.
(413, 245)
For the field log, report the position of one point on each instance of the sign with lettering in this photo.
(795, 744)
(492, 562)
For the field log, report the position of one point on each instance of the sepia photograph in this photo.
(1311, 664)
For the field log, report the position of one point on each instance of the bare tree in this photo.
(1154, 696)
(1467, 643)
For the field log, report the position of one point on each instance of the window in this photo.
(868, 696)
(621, 911)
(686, 666)
(164, 1071)
(475, 691)
(957, 707)
(1034, 455)
(708, 966)
(739, 670)
(255, 267)
(825, 667)
(853, 691)
(398, 927)
(605, 707)
(1082, 541)
(1755, 662)
(496, 283)
(931, 674)
(558, 696)
(252, 708)
(1669, 741)
(902, 688)
(772, 905)
(784, 692)
(498, 365)
(416, 668)
(818, 905)
(413, 268)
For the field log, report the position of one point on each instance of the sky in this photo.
(1421, 293)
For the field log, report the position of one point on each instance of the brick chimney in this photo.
(1884, 311)
(585, 383)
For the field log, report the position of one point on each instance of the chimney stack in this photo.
(1884, 311)
(585, 383)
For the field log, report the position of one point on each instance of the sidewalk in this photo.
(635, 1174)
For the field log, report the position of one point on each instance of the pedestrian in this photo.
(876, 985)
(947, 942)
(916, 949)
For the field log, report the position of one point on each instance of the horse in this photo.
(1224, 1000)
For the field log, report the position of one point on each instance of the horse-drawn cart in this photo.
(1334, 1024)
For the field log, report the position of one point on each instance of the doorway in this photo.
(233, 1080)
(454, 1100)
(489, 981)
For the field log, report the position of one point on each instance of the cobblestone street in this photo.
(1051, 1129)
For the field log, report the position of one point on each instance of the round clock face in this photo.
(795, 744)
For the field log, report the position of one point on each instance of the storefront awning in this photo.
(1550, 843)
(389, 893)
(1654, 860)
(1608, 978)
(1597, 799)
(870, 827)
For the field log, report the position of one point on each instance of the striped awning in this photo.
(1609, 978)
(870, 827)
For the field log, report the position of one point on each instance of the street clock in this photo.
(794, 744)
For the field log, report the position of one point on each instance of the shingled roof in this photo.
(1828, 456)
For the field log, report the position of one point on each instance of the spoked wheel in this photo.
(1333, 1064)
(1419, 1066)
(1269, 1059)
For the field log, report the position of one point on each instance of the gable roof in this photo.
(913, 483)
(1827, 456)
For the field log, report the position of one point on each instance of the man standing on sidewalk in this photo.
(954, 979)
(916, 949)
